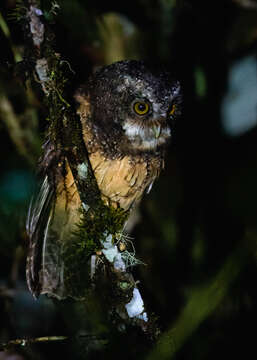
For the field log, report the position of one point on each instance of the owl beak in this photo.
(156, 130)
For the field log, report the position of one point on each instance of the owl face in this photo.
(133, 107)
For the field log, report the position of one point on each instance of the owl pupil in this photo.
(141, 107)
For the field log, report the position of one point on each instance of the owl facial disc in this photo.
(132, 107)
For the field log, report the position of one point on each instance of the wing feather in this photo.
(38, 217)
(52, 217)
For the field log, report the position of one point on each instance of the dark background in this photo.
(197, 230)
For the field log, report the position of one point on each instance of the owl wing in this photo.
(52, 216)
(39, 215)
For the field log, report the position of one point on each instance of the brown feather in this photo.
(123, 181)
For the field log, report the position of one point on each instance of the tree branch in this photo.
(109, 271)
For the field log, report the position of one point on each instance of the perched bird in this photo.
(127, 114)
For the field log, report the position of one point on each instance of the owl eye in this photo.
(172, 111)
(141, 107)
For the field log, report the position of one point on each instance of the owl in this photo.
(127, 113)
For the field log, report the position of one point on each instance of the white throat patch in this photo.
(143, 138)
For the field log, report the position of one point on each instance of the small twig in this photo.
(47, 339)
(26, 342)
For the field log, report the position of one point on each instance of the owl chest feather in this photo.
(123, 181)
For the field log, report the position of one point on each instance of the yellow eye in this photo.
(141, 108)
(172, 110)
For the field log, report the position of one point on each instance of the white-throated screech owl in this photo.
(127, 114)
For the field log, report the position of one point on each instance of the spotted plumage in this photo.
(127, 114)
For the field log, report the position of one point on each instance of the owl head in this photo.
(132, 107)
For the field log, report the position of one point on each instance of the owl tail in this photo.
(51, 225)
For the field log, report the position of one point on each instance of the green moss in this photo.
(124, 285)
(97, 223)
(94, 226)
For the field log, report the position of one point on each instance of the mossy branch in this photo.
(101, 226)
